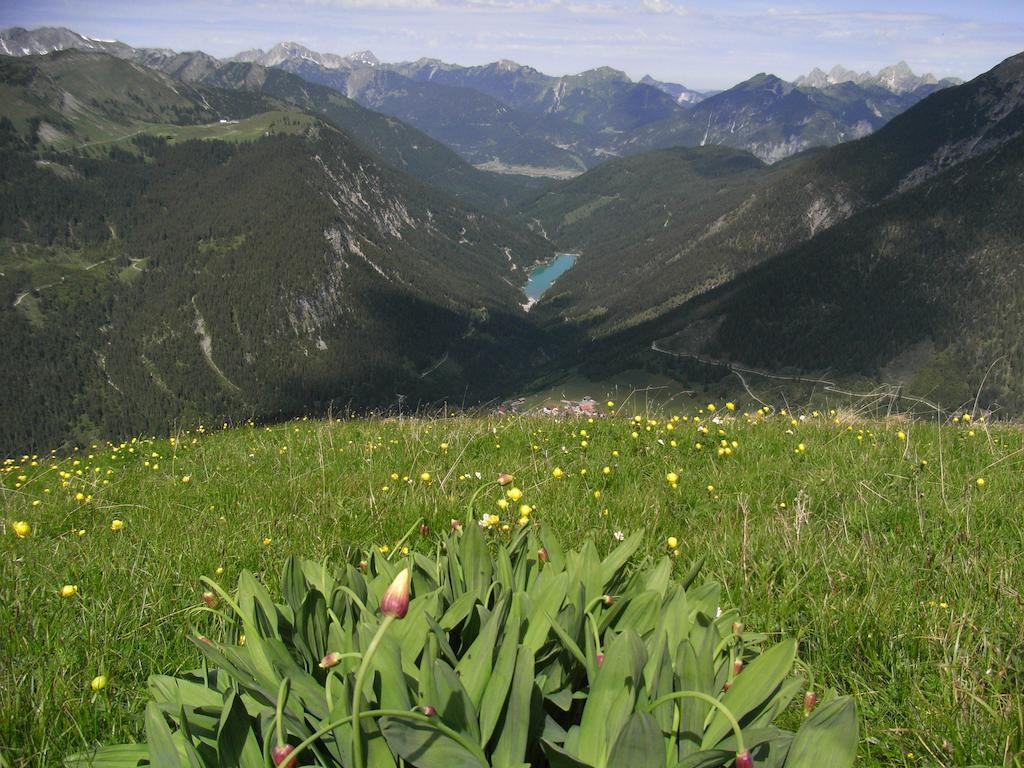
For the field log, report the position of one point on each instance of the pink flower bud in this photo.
(456, 525)
(727, 686)
(424, 529)
(210, 599)
(280, 754)
(428, 710)
(396, 600)
(504, 478)
(744, 760)
(609, 600)
(600, 660)
(542, 555)
(737, 667)
(810, 701)
(332, 659)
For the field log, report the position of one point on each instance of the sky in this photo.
(704, 45)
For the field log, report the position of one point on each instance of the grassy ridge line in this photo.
(900, 579)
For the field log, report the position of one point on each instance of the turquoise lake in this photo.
(544, 275)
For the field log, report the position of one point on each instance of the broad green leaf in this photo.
(559, 758)
(695, 673)
(619, 556)
(548, 540)
(119, 756)
(504, 574)
(659, 577)
(827, 737)
(496, 692)
(590, 573)
(551, 589)
(752, 688)
(195, 759)
(311, 623)
(458, 611)
(257, 605)
(691, 575)
(640, 744)
(777, 704)
(387, 662)
(236, 743)
(641, 613)
(612, 697)
(453, 703)
(520, 714)
(474, 668)
(420, 744)
(477, 567)
(412, 631)
(293, 584)
(162, 749)
(707, 598)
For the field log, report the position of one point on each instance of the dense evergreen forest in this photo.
(282, 276)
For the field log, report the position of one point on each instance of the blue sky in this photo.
(698, 43)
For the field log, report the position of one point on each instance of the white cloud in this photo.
(665, 6)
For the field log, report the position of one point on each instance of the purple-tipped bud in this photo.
(396, 600)
(810, 702)
(600, 660)
(210, 599)
(424, 529)
(737, 667)
(609, 600)
(744, 760)
(280, 753)
(505, 478)
(542, 555)
(332, 659)
(456, 525)
(737, 628)
(428, 710)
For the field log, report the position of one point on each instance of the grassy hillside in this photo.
(890, 550)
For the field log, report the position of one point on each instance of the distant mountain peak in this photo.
(601, 74)
(18, 41)
(291, 51)
(898, 78)
(680, 93)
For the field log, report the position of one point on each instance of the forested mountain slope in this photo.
(760, 214)
(920, 280)
(157, 282)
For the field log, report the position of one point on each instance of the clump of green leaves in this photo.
(507, 654)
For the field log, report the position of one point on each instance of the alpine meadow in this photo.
(366, 411)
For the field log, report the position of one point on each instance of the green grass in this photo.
(901, 580)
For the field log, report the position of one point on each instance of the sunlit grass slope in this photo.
(892, 551)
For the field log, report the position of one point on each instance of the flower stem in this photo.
(405, 538)
(740, 746)
(357, 696)
(282, 699)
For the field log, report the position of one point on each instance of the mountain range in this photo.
(184, 238)
(898, 78)
(511, 118)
